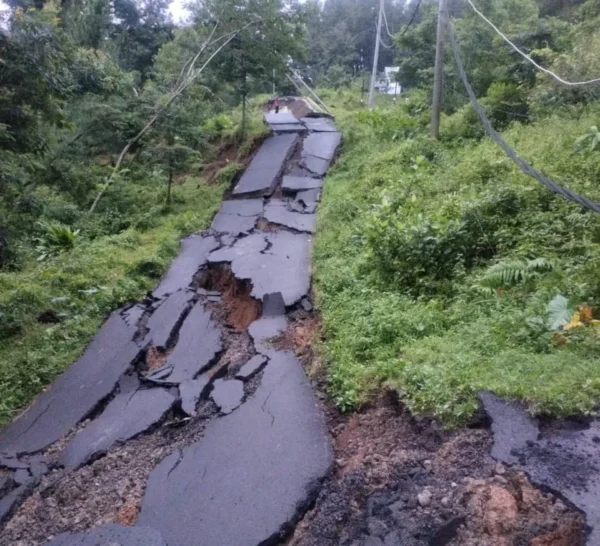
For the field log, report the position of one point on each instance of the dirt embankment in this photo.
(402, 481)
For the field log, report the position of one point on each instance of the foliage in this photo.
(435, 263)
(560, 312)
(505, 274)
(56, 238)
(78, 81)
(592, 137)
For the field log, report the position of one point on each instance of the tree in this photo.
(142, 28)
(250, 59)
(174, 156)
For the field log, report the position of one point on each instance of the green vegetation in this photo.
(440, 269)
(79, 82)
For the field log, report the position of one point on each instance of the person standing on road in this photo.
(277, 105)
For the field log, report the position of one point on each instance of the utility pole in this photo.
(438, 79)
(376, 56)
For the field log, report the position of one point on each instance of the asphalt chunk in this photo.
(253, 473)
(76, 392)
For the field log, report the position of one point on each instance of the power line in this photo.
(521, 163)
(412, 19)
(387, 28)
(511, 44)
(387, 46)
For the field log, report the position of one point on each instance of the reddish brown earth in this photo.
(402, 481)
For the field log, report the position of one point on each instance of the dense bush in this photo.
(435, 266)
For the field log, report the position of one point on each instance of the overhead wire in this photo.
(387, 28)
(523, 54)
(525, 167)
(412, 19)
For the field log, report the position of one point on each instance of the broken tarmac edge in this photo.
(565, 463)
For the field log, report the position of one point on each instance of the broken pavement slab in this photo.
(227, 394)
(568, 463)
(111, 534)
(163, 322)
(192, 255)
(321, 145)
(75, 393)
(511, 426)
(198, 343)
(237, 216)
(273, 262)
(261, 175)
(319, 124)
(288, 128)
(273, 305)
(300, 183)
(315, 165)
(191, 391)
(280, 118)
(318, 151)
(309, 197)
(132, 315)
(253, 473)
(251, 368)
(264, 329)
(131, 412)
(10, 501)
(277, 212)
(11, 461)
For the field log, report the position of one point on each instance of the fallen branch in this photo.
(186, 77)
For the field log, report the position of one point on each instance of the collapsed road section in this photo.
(182, 419)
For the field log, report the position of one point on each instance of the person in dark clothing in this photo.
(277, 105)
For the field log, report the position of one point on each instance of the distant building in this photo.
(392, 86)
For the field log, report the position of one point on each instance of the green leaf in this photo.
(559, 311)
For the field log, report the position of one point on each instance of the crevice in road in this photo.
(111, 483)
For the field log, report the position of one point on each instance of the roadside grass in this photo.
(409, 232)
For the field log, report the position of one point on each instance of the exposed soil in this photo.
(298, 108)
(299, 336)
(241, 308)
(266, 226)
(402, 481)
(155, 358)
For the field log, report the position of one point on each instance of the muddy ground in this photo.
(402, 481)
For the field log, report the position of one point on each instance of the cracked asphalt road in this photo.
(261, 460)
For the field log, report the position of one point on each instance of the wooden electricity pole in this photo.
(376, 56)
(438, 78)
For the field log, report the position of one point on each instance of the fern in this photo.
(511, 273)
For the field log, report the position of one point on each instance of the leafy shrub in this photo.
(505, 103)
(590, 140)
(505, 274)
(464, 123)
(217, 126)
(56, 238)
(388, 124)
